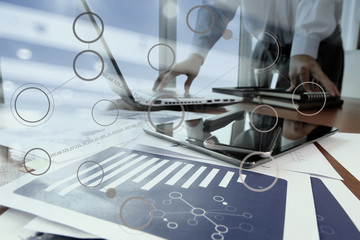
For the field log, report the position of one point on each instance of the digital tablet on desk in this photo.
(232, 142)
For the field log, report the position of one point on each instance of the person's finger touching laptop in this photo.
(307, 34)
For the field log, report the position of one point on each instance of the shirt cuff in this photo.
(307, 45)
(201, 46)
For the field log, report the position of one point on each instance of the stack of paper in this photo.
(136, 190)
(129, 193)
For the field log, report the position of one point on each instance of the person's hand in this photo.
(305, 67)
(189, 67)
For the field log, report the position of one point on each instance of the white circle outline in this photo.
(251, 116)
(117, 113)
(101, 60)
(35, 174)
(50, 101)
(196, 214)
(325, 230)
(212, 19)
(147, 203)
(95, 39)
(175, 225)
(195, 222)
(277, 44)
(225, 231)
(255, 189)
(218, 198)
(174, 193)
(230, 208)
(182, 114)
(246, 224)
(102, 176)
(217, 234)
(158, 69)
(308, 114)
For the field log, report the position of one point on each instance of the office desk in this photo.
(346, 119)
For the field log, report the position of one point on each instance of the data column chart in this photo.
(166, 196)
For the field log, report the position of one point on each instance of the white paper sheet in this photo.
(307, 159)
(41, 225)
(300, 218)
(70, 134)
(299, 209)
(349, 202)
(344, 147)
(17, 225)
(12, 224)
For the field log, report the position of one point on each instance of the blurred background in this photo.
(38, 45)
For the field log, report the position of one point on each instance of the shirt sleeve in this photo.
(315, 20)
(212, 20)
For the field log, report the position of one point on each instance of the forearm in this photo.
(315, 21)
(212, 20)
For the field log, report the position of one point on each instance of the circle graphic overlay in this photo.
(230, 208)
(167, 128)
(265, 38)
(198, 211)
(217, 236)
(100, 114)
(131, 205)
(227, 34)
(37, 157)
(28, 96)
(252, 122)
(246, 227)
(221, 228)
(247, 215)
(172, 225)
(110, 192)
(323, 93)
(192, 222)
(218, 198)
(89, 26)
(88, 51)
(326, 230)
(258, 189)
(86, 175)
(162, 47)
(199, 8)
(175, 195)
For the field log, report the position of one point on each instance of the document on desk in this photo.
(12, 224)
(307, 159)
(17, 225)
(129, 192)
(337, 218)
(72, 134)
(344, 148)
(41, 225)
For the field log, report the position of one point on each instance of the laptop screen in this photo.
(89, 28)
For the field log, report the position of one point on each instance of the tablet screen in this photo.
(252, 133)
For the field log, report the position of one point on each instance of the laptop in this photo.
(142, 98)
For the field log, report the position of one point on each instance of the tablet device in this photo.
(253, 133)
(248, 141)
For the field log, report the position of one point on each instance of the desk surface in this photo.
(346, 119)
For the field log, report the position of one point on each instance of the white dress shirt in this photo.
(301, 23)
